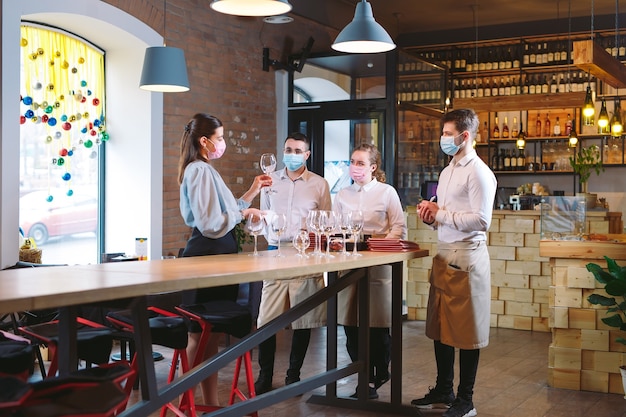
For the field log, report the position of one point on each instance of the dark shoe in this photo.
(372, 395)
(434, 399)
(261, 386)
(291, 379)
(461, 408)
(380, 382)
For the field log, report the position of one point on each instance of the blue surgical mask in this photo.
(447, 145)
(293, 161)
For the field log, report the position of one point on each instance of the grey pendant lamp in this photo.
(164, 68)
(251, 7)
(363, 35)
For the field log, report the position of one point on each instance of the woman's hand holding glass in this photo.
(268, 165)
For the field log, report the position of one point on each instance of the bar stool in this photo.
(94, 341)
(16, 356)
(93, 392)
(169, 330)
(230, 318)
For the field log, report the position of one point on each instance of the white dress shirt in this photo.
(465, 198)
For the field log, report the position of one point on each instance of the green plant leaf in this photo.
(600, 274)
(616, 287)
(621, 340)
(614, 321)
(601, 300)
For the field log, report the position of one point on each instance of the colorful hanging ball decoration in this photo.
(58, 135)
(35, 119)
(83, 99)
(78, 96)
(70, 192)
(88, 143)
(49, 109)
(83, 83)
(35, 106)
(49, 199)
(81, 60)
(72, 118)
(60, 161)
(33, 56)
(78, 116)
(66, 177)
(51, 62)
(57, 54)
(93, 155)
(48, 139)
(65, 65)
(96, 122)
(93, 133)
(70, 152)
(52, 121)
(105, 136)
(89, 92)
(64, 118)
(40, 51)
(29, 113)
(63, 152)
(66, 126)
(50, 87)
(54, 161)
(83, 130)
(44, 103)
(45, 118)
(57, 104)
(24, 42)
(22, 119)
(85, 115)
(74, 70)
(96, 101)
(37, 86)
(27, 100)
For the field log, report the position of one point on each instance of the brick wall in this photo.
(224, 61)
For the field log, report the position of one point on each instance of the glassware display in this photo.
(356, 225)
(313, 223)
(255, 225)
(278, 224)
(328, 223)
(344, 220)
(563, 218)
(301, 242)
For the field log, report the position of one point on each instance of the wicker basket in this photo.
(30, 255)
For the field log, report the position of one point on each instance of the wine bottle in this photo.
(526, 56)
(538, 131)
(568, 125)
(557, 127)
(501, 160)
(502, 87)
(538, 54)
(507, 161)
(521, 160)
(410, 132)
(494, 161)
(544, 54)
(532, 58)
(553, 85)
(485, 132)
(545, 88)
(550, 59)
(494, 87)
(513, 161)
(515, 130)
(505, 128)
(547, 126)
(496, 129)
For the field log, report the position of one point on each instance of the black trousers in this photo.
(380, 351)
(468, 364)
(267, 354)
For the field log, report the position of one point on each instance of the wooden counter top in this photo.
(584, 249)
(39, 288)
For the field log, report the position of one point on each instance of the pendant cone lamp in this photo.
(251, 7)
(164, 68)
(603, 118)
(363, 35)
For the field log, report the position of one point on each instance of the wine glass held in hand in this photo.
(268, 165)
(301, 242)
(278, 225)
(356, 225)
(255, 225)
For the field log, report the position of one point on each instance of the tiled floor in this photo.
(512, 378)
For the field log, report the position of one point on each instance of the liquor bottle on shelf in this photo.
(501, 160)
(544, 54)
(538, 55)
(513, 161)
(547, 127)
(550, 57)
(521, 160)
(502, 87)
(485, 132)
(545, 88)
(494, 87)
(496, 129)
(554, 86)
(507, 161)
(410, 133)
(568, 125)
(515, 130)
(494, 160)
(526, 56)
(487, 88)
(538, 131)
(557, 127)
(532, 58)
(505, 128)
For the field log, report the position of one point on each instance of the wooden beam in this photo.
(522, 102)
(591, 57)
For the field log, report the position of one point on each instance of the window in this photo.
(62, 130)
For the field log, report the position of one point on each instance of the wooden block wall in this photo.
(583, 352)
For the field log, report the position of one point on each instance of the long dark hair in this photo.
(201, 124)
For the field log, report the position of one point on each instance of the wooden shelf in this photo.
(592, 58)
(521, 101)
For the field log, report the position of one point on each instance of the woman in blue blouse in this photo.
(209, 207)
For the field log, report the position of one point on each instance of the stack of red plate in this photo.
(312, 238)
(391, 245)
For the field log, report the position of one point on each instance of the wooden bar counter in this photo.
(583, 353)
(68, 286)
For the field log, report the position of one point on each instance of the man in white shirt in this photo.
(460, 291)
(295, 191)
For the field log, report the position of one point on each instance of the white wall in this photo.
(134, 173)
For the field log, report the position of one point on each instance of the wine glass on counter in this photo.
(313, 223)
(328, 223)
(255, 225)
(344, 219)
(278, 225)
(268, 165)
(356, 225)
(301, 242)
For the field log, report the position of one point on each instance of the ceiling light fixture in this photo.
(164, 67)
(616, 121)
(363, 35)
(251, 7)
(603, 118)
(588, 108)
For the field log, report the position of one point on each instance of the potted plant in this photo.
(584, 162)
(614, 281)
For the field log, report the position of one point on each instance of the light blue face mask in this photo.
(447, 145)
(293, 161)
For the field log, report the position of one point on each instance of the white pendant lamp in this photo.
(363, 35)
(251, 7)
(164, 68)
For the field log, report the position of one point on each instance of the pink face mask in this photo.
(220, 148)
(357, 173)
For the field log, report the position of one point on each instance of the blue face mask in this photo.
(293, 161)
(447, 145)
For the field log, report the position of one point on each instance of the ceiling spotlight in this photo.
(251, 7)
